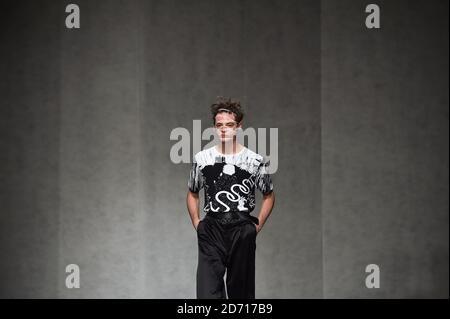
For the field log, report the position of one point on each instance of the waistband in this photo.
(233, 216)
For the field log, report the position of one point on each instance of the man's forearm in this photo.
(193, 209)
(266, 209)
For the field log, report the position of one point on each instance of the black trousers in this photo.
(226, 246)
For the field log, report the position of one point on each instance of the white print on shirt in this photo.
(244, 188)
(229, 181)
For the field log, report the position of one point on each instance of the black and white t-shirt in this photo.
(229, 181)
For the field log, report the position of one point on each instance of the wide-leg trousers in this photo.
(229, 248)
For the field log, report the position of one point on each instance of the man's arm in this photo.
(192, 201)
(266, 208)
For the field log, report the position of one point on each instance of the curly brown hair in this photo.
(229, 105)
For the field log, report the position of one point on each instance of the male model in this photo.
(229, 173)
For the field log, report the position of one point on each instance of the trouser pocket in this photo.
(199, 225)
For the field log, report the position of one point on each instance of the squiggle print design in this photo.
(234, 198)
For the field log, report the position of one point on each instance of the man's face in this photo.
(226, 126)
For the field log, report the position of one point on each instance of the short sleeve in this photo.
(195, 182)
(263, 179)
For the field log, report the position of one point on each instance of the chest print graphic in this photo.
(229, 182)
(233, 195)
(228, 169)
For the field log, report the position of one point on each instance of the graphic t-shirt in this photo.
(229, 181)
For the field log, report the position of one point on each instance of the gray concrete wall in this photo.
(86, 117)
(29, 150)
(385, 149)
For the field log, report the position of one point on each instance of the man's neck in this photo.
(229, 149)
